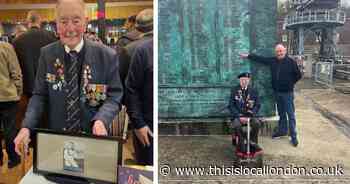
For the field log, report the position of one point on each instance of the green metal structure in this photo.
(199, 46)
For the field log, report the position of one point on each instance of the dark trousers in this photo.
(8, 122)
(254, 131)
(144, 154)
(286, 112)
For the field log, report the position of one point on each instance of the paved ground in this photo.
(321, 122)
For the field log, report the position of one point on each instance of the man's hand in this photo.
(243, 55)
(243, 119)
(22, 138)
(142, 135)
(99, 128)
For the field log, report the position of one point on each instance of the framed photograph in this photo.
(77, 157)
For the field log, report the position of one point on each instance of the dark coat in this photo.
(244, 103)
(104, 71)
(285, 73)
(27, 48)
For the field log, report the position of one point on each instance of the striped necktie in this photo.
(72, 100)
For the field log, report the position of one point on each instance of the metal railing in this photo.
(316, 16)
(300, 3)
(333, 75)
(323, 73)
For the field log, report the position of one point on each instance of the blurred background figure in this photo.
(132, 33)
(27, 47)
(139, 101)
(10, 92)
(19, 30)
(144, 31)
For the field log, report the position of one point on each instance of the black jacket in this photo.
(27, 48)
(244, 103)
(139, 86)
(285, 73)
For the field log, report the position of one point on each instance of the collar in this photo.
(244, 88)
(77, 48)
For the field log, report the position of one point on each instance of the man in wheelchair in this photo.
(244, 106)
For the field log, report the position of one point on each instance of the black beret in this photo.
(245, 74)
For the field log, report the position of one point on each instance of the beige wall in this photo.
(113, 12)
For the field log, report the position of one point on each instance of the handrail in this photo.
(316, 16)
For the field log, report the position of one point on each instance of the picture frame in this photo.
(82, 158)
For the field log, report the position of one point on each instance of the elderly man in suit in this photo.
(77, 80)
(244, 103)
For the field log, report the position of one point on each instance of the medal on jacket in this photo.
(58, 78)
(86, 77)
(96, 93)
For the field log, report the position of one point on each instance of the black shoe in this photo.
(278, 135)
(294, 142)
(11, 164)
(255, 147)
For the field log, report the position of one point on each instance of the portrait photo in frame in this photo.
(80, 157)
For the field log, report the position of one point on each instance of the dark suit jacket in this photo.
(241, 104)
(139, 86)
(27, 48)
(104, 71)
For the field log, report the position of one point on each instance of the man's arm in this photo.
(297, 73)
(111, 105)
(39, 99)
(35, 107)
(257, 58)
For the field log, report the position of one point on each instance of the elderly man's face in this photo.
(280, 51)
(244, 81)
(71, 23)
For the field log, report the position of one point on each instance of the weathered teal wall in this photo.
(199, 46)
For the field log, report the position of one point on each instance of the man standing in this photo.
(285, 74)
(139, 101)
(144, 26)
(132, 33)
(77, 80)
(10, 92)
(244, 103)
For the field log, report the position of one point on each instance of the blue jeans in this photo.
(286, 110)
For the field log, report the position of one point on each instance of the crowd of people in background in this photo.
(19, 64)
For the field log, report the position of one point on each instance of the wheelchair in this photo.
(247, 152)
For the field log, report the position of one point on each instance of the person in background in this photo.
(132, 33)
(139, 101)
(10, 92)
(144, 25)
(27, 46)
(19, 30)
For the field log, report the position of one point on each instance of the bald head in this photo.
(144, 20)
(61, 4)
(33, 19)
(280, 51)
